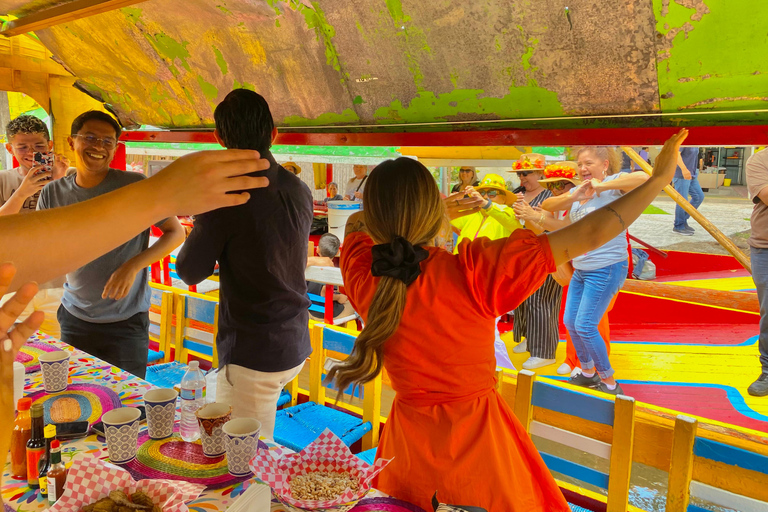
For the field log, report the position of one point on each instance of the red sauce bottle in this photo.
(57, 474)
(22, 431)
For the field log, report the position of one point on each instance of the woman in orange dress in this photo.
(429, 318)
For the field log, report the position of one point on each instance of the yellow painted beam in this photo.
(731, 478)
(464, 152)
(372, 412)
(523, 406)
(621, 454)
(681, 464)
(316, 362)
(65, 13)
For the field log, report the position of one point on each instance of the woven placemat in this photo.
(30, 352)
(384, 505)
(80, 402)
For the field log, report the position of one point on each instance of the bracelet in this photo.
(541, 219)
(488, 205)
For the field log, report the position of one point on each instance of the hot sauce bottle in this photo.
(57, 474)
(35, 446)
(44, 464)
(22, 431)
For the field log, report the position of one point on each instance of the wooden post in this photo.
(372, 412)
(316, 364)
(681, 464)
(621, 454)
(693, 212)
(523, 398)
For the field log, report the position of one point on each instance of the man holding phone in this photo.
(28, 141)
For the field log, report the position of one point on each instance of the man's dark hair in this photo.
(95, 115)
(244, 121)
(328, 246)
(26, 124)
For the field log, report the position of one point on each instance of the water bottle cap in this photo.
(194, 364)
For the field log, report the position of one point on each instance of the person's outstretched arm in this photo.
(47, 244)
(602, 225)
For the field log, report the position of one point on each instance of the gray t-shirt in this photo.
(84, 286)
(10, 181)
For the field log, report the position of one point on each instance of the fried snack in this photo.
(104, 505)
(157, 508)
(123, 508)
(142, 499)
(119, 497)
(87, 508)
(322, 485)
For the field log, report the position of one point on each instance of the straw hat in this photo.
(561, 171)
(292, 166)
(493, 182)
(530, 162)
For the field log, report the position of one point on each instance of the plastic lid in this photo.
(50, 430)
(194, 364)
(55, 444)
(24, 404)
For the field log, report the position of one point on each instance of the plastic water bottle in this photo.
(192, 398)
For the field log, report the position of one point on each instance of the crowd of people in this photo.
(448, 423)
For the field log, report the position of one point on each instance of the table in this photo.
(87, 369)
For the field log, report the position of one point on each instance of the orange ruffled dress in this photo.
(449, 430)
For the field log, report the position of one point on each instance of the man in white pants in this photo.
(261, 248)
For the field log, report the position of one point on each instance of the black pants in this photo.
(123, 344)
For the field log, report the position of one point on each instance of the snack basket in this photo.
(326, 453)
(90, 479)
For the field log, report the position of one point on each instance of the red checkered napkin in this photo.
(326, 453)
(90, 479)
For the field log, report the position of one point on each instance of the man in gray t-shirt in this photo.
(105, 307)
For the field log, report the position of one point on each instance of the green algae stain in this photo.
(346, 117)
(415, 40)
(220, 61)
(170, 49)
(209, 90)
(243, 85)
(223, 9)
(358, 100)
(395, 8)
(520, 103)
(132, 13)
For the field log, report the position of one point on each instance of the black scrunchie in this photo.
(398, 259)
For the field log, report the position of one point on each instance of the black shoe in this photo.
(604, 388)
(583, 381)
(683, 231)
(760, 386)
(689, 229)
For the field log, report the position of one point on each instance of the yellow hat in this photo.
(291, 166)
(530, 162)
(493, 182)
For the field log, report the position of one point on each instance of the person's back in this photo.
(261, 248)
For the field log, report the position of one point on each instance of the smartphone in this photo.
(44, 159)
(98, 428)
(71, 430)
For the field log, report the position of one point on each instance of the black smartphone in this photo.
(71, 430)
(98, 428)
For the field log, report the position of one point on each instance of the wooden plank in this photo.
(739, 301)
(621, 454)
(166, 321)
(215, 359)
(586, 428)
(324, 275)
(65, 13)
(731, 478)
(731, 455)
(573, 402)
(338, 341)
(681, 464)
(718, 235)
(372, 412)
(523, 405)
(316, 361)
(181, 326)
(570, 439)
(727, 499)
(577, 471)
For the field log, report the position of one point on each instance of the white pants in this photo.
(253, 394)
(47, 301)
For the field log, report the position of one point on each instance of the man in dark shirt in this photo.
(261, 248)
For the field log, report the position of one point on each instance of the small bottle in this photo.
(45, 461)
(35, 445)
(192, 398)
(57, 474)
(22, 431)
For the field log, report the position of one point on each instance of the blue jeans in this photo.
(760, 276)
(685, 188)
(589, 296)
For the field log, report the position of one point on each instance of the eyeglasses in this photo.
(525, 173)
(465, 170)
(93, 141)
(37, 148)
(556, 185)
(490, 194)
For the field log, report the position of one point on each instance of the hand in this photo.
(60, 166)
(346, 198)
(34, 181)
(520, 197)
(582, 192)
(341, 298)
(686, 174)
(120, 282)
(11, 341)
(597, 186)
(524, 211)
(474, 194)
(358, 195)
(456, 205)
(666, 162)
(207, 180)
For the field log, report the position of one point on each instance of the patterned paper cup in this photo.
(55, 367)
(161, 412)
(211, 418)
(121, 427)
(242, 437)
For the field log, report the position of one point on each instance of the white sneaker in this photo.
(520, 347)
(537, 362)
(563, 369)
(576, 371)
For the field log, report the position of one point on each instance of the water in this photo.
(192, 398)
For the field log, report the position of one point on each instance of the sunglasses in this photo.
(490, 194)
(556, 185)
(525, 173)
(466, 170)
